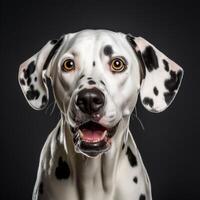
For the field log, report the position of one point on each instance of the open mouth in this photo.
(92, 132)
(91, 138)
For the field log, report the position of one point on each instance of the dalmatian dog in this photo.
(96, 77)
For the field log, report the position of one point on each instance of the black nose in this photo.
(90, 100)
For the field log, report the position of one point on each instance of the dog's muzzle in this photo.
(90, 137)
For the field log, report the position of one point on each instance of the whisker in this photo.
(48, 107)
(54, 105)
(139, 120)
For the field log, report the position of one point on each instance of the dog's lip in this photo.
(94, 149)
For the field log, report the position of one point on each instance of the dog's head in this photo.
(96, 76)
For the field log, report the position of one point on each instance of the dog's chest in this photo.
(129, 182)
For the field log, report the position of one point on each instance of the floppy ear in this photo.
(160, 76)
(32, 75)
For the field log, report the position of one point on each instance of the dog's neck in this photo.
(94, 174)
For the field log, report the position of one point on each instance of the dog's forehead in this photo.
(95, 39)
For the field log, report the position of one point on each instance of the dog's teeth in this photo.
(92, 140)
(80, 133)
(104, 134)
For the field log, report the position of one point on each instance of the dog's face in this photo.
(96, 77)
(96, 82)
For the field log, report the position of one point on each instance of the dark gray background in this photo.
(170, 143)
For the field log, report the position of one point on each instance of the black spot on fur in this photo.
(102, 82)
(29, 81)
(80, 86)
(123, 145)
(93, 63)
(131, 157)
(53, 51)
(81, 77)
(32, 93)
(54, 41)
(44, 100)
(148, 101)
(108, 51)
(62, 171)
(41, 188)
(166, 64)
(169, 96)
(155, 90)
(91, 82)
(58, 133)
(142, 197)
(130, 39)
(172, 84)
(30, 69)
(150, 58)
(142, 68)
(22, 82)
(135, 179)
(35, 79)
(89, 78)
(133, 44)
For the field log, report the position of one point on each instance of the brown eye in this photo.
(118, 65)
(68, 65)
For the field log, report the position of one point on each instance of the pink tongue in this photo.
(91, 135)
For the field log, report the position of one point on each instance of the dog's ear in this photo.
(32, 75)
(160, 76)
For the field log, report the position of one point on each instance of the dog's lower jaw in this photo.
(93, 174)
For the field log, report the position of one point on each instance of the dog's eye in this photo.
(118, 65)
(68, 65)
